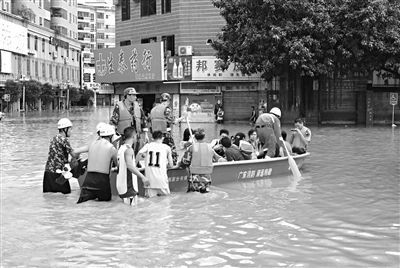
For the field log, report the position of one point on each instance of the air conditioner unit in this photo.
(55, 54)
(66, 60)
(185, 50)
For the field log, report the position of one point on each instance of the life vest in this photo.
(123, 172)
(202, 155)
(158, 120)
(125, 118)
(99, 157)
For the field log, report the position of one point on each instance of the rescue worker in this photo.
(97, 181)
(128, 113)
(268, 127)
(162, 119)
(200, 156)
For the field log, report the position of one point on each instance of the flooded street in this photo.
(344, 212)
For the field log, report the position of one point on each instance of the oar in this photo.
(190, 130)
(292, 164)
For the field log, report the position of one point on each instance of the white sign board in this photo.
(5, 59)
(394, 98)
(209, 68)
(14, 37)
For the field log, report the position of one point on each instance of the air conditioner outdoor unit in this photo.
(55, 54)
(66, 60)
(185, 50)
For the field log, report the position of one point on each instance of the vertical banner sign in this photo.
(179, 68)
(141, 62)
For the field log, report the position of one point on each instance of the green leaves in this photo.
(314, 37)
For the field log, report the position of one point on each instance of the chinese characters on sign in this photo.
(253, 173)
(210, 68)
(142, 62)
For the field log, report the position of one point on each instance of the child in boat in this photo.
(126, 181)
(301, 137)
(158, 157)
(59, 151)
(216, 143)
(244, 146)
(282, 151)
(253, 140)
(200, 155)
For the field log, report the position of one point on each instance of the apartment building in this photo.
(96, 30)
(41, 42)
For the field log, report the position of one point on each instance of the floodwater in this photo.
(344, 212)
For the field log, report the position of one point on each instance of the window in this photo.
(36, 43)
(125, 43)
(28, 67)
(50, 71)
(100, 45)
(125, 10)
(148, 7)
(100, 16)
(169, 44)
(29, 39)
(43, 45)
(106, 16)
(100, 36)
(91, 17)
(67, 73)
(165, 6)
(43, 70)
(36, 68)
(149, 40)
(40, 21)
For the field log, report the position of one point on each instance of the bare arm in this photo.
(115, 116)
(130, 164)
(169, 155)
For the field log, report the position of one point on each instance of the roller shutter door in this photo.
(237, 104)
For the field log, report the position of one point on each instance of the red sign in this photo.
(141, 62)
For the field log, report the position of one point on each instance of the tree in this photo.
(86, 95)
(11, 87)
(313, 37)
(74, 95)
(48, 94)
(33, 91)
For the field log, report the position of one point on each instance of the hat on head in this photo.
(276, 111)
(130, 90)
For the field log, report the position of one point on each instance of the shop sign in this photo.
(200, 91)
(179, 68)
(210, 68)
(141, 62)
(394, 98)
(13, 37)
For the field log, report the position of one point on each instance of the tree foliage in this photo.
(33, 91)
(314, 37)
(11, 87)
(48, 93)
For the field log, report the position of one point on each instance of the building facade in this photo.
(96, 30)
(38, 51)
(186, 28)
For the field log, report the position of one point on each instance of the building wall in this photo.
(67, 24)
(192, 22)
(5, 5)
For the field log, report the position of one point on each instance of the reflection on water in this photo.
(343, 213)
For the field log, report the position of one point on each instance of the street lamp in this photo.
(68, 85)
(22, 80)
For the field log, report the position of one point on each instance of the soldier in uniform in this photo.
(162, 120)
(128, 113)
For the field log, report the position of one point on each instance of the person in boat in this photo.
(129, 113)
(301, 137)
(127, 171)
(59, 151)
(186, 139)
(97, 181)
(268, 127)
(282, 151)
(162, 120)
(199, 157)
(244, 146)
(253, 140)
(158, 157)
(216, 143)
(232, 152)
